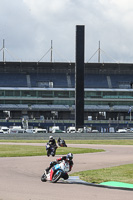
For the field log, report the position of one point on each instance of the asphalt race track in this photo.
(20, 177)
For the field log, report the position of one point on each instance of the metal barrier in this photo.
(68, 136)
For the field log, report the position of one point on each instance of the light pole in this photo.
(131, 115)
(130, 111)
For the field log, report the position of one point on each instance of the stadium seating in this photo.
(58, 79)
(63, 80)
(13, 80)
(95, 81)
(121, 80)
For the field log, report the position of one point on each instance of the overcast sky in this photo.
(28, 26)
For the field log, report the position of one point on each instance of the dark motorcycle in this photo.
(51, 149)
(61, 143)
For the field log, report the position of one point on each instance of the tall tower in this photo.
(79, 78)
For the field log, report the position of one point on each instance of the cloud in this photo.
(28, 27)
(45, 9)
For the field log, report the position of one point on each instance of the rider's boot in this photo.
(51, 165)
(46, 171)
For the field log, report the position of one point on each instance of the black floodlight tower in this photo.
(79, 78)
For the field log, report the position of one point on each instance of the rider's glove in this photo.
(53, 163)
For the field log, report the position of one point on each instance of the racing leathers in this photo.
(52, 142)
(70, 162)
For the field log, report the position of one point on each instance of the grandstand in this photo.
(47, 89)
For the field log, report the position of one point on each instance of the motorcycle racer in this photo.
(61, 143)
(68, 161)
(51, 146)
(52, 141)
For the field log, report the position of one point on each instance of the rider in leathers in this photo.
(52, 141)
(68, 159)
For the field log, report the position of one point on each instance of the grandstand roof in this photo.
(56, 67)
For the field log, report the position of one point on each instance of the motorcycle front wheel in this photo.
(43, 178)
(56, 176)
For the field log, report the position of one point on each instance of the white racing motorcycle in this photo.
(56, 172)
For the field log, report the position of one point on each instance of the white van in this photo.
(54, 129)
(71, 129)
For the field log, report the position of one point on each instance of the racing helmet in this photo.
(51, 137)
(69, 156)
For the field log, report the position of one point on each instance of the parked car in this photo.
(39, 130)
(71, 129)
(1, 132)
(16, 131)
(29, 130)
(121, 131)
(54, 129)
(5, 129)
(58, 131)
(131, 130)
(95, 131)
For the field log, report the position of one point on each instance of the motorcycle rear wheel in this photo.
(53, 154)
(56, 177)
(48, 153)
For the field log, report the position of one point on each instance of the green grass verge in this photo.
(24, 141)
(25, 150)
(123, 173)
(106, 142)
